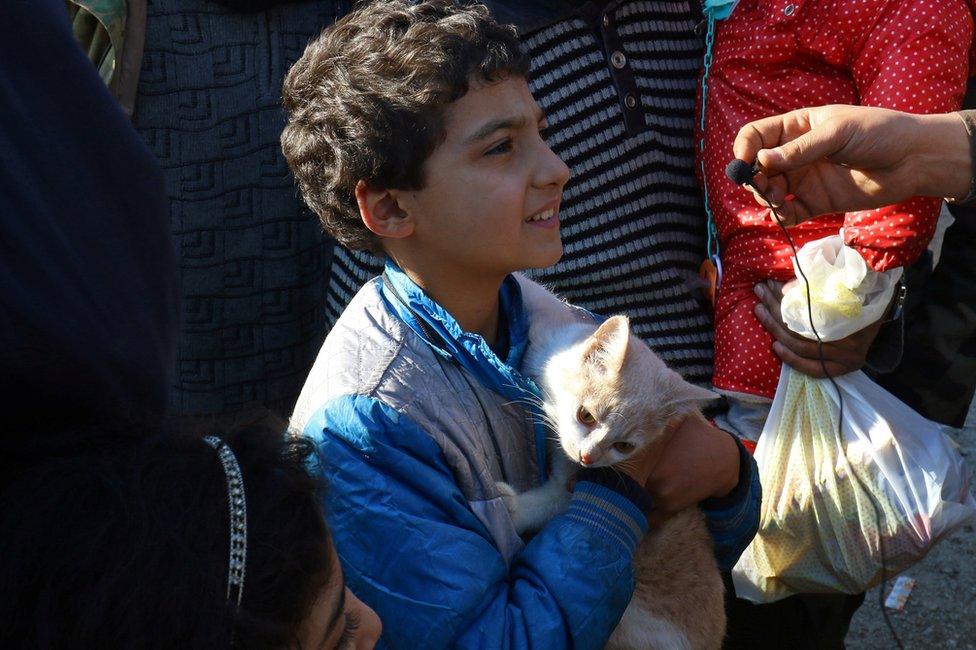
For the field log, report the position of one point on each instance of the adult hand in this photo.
(697, 461)
(843, 158)
(800, 353)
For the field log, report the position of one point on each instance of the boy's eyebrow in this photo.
(501, 124)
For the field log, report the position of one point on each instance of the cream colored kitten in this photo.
(607, 396)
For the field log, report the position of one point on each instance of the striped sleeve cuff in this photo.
(609, 511)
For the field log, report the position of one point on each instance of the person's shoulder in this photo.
(369, 352)
(366, 320)
(361, 345)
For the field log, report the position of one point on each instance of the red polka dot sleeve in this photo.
(915, 59)
(773, 56)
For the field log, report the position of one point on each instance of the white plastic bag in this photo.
(828, 495)
(884, 487)
(847, 295)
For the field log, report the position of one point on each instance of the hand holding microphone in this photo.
(831, 159)
(742, 173)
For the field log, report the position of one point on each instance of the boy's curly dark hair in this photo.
(365, 100)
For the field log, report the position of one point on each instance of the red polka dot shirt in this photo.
(773, 56)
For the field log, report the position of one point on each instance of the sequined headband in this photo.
(238, 517)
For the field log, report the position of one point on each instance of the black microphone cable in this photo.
(741, 173)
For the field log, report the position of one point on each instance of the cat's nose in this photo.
(586, 459)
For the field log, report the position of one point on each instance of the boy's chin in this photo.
(544, 258)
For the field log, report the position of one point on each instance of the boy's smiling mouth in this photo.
(547, 218)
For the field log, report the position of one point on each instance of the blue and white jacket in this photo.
(416, 420)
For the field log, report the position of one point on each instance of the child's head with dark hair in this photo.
(128, 547)
(367, 100)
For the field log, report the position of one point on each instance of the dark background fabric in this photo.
(253, 260)
(937, 373)
(88, 306)
(254, 264)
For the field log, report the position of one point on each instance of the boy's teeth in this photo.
(542, 216)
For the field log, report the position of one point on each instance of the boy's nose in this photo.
(552, 169)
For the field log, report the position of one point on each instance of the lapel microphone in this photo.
(740, 172)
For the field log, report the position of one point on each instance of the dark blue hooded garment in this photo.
(88, 294)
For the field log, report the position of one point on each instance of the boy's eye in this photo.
(585, 417)
(623, 447)
(502, 147)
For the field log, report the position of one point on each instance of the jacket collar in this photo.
(444, 334)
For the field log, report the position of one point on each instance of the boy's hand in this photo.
(697, 462)
(640, 466)
(800, 353)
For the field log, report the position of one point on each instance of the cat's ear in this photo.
(685, 397)
(606, 349)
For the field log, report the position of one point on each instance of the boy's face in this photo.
(490, 202)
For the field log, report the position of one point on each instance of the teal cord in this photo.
(713, 242)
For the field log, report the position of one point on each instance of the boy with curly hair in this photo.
(412, 133)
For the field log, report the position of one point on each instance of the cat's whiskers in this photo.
(549, 419)
(534, 405)
(534, 401)
(526, 398)
(616, 471)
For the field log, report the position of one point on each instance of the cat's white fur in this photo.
(632, 396)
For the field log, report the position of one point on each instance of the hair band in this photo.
(238, 517)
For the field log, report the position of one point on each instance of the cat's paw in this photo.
(530, 510)
(509, 496)
(511, 499)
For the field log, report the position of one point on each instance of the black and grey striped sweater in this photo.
(617, 82)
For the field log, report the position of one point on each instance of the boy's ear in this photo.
(380, 212)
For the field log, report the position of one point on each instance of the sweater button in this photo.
(618, 60)
(630, 101)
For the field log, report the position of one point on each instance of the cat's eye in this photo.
(623, 447)
(585, 417)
